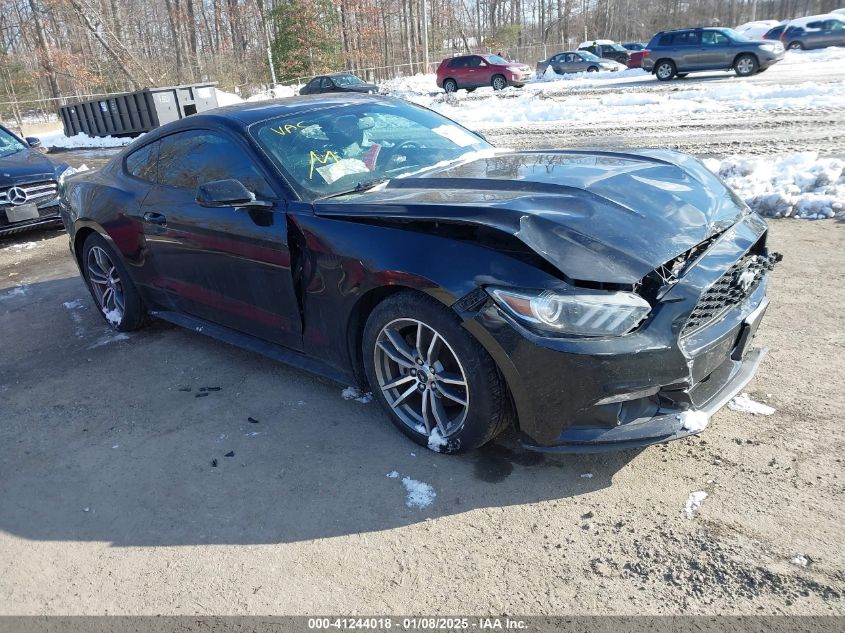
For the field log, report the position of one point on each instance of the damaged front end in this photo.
(664, 379)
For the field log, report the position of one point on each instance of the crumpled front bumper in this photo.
(593, 395)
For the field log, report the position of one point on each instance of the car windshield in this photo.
(333, 150)
(589, 56)
(495, 59)
(346, 80)
(618, 47)
(9, 144)
(735, 35)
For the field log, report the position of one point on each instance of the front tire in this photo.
(499, 82)
(117, 299)
(439, 386)
(592, 69)
(665, 70)
(450, 85)
(745, 65)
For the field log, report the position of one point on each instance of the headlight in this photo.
(579, 312)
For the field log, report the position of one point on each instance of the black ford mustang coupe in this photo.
(593, 300)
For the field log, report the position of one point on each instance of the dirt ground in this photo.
(110, 503)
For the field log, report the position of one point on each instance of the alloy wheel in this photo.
(499, 83)
(664, 71)
(450, 86)
(745, 66)
(106, 283)
(421, 377)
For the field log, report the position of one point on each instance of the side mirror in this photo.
(33, 141)
(228, 193)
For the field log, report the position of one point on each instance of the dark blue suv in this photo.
(677, 53)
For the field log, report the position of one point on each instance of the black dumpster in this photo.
(133, 113)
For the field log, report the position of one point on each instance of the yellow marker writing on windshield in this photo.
(315, 158)
(288, 128)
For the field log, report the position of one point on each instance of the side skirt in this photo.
(258, 346)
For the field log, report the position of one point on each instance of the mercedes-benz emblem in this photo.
(17, 196)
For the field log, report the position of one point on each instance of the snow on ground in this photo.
(353, 393)
(58, 140)
(694, 421)
(744, 404)
(638, 95)
(800, 185)
(436, 441)
(694, 502)
(420, 494)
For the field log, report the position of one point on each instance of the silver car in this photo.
(576, 62)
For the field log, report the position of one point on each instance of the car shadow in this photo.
(167, 437)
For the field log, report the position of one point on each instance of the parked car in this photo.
(682, 51)
(635, 59)
(593, 300)
(633, 46)
(576, 62)
(475, 71)
(774, 33)
(818, 31)
(757, 29)
(337, 82)
(606, 49)
(29, 184)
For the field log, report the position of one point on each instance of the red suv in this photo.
(474, 71)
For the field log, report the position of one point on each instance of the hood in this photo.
(596, 216)
(26, 165)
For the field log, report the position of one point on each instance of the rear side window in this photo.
(815, 25)
(143, 163)
(190, 159)
(458, 62)
(686, 38)
(665, 40)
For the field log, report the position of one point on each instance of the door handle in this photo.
(155, 218)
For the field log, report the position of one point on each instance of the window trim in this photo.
(128, 173)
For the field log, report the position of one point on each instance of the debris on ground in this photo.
(802, 560)
(392, 474)
(229, 454)
(252, 420)
(214, 463)
(744, 404)
(202, 394)
(586, 475)
(694, 502)
(353, 393)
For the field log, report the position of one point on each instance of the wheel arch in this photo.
(517, 394)
(659, 60)
(743, 54)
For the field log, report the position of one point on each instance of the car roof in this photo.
(600, 42)
(242, 115)
(814, 18)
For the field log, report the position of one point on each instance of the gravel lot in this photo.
(111, 503)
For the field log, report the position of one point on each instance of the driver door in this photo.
(229, 266)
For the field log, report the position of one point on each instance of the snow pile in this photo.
(353, 393)
(113, 316)
(392, 474)
(587, 79)
(58, 140)
(420, 494)
(801, 185)
(226, 98)
(18, 291)
(695, 421)
(832, 54)
(744, 404)
(412, 85)
(694, 502)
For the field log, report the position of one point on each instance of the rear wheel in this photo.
(665, 70)
(745, 65)
(795, 46)
(499, 82)
(450, 85)
(436, 382)
(117, 298)
(592, 69)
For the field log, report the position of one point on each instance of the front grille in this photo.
(35, 192)
(731, 289)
